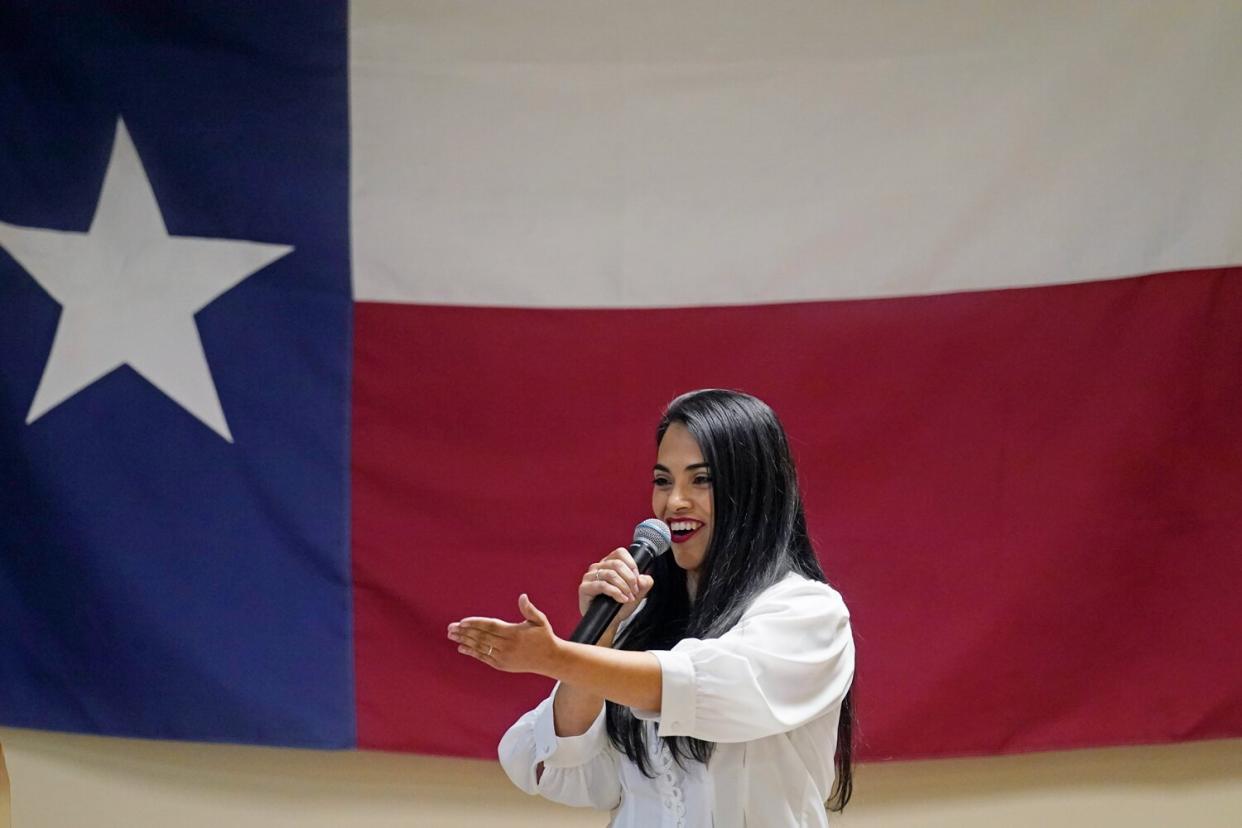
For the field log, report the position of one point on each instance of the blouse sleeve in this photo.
(577, 770)
(789, 660)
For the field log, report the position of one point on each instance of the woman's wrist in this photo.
(558, 657)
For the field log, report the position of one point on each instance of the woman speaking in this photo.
(720, 693)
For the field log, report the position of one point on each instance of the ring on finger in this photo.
(489, 650)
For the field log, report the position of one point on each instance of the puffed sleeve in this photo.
(789, 660)
(577, 770)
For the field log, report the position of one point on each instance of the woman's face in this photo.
(681, 496)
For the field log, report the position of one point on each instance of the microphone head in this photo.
(655, 533)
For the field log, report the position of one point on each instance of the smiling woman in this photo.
(682, 497)
(720, 694)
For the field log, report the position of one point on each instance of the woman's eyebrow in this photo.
(690, 467)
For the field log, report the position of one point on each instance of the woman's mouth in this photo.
(683, 529)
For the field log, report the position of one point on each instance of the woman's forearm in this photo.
(630, 678)
(573, 708)
(577, 704)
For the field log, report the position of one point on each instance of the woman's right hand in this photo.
(616, 575)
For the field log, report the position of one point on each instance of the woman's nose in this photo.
(677, 498)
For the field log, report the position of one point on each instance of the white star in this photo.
(129, 291)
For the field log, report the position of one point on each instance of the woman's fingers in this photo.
(615, 575)
(484, 635)
(477, 639)
(488, 625)
(479, 644)
(622, 554)
(524, 647)
(531, 612)
(604, 580)
(481, 649)
(620, 562)
(486, 658)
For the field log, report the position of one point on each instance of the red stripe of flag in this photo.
(1031, 499)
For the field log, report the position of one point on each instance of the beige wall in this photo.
(4, 791)
(65, 781)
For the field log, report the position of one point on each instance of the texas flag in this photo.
(324, 325)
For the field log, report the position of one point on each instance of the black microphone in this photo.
(651, 539)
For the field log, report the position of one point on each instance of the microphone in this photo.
(651, 539)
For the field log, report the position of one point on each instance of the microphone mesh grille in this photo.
(654, 532)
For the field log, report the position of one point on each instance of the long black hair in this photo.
(758, 536)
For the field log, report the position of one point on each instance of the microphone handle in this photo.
(604, 608)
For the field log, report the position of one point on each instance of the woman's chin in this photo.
(687, 559)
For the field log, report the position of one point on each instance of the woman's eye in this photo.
(660, 481)
(702, 480)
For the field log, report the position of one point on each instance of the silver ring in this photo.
(597, 575)
(489, 649)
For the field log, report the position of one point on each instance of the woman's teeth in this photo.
(683, 530)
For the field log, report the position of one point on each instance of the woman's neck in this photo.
(692, 584)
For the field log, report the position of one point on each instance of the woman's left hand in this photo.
(527, 647)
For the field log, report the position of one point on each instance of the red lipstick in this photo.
(683, 535)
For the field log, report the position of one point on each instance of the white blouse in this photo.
(768, 693)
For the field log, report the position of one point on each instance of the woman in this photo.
(720, 693)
